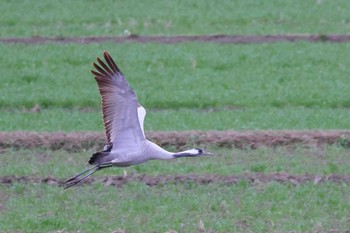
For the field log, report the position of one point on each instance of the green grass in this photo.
(322, 161)
(257, 118)
(138, 208)
(87, 18)
(266, 86)
(185, 75)
(184, 86)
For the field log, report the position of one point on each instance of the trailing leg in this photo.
(81, 176)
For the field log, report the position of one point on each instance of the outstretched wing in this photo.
(119, 104)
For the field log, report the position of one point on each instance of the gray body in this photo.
(122, 157)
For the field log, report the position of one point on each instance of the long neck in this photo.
(185, 153)
(156, 152)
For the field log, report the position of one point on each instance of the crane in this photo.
(123, 119)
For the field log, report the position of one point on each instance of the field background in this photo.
(184, 86)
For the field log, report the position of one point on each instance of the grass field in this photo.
(242, 207)
(257, 118)
(269, 86)
(183, 75)
(298, 160)
(138, 208)
(81, 18)
(184, 86)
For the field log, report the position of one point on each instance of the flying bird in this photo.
(123, 119)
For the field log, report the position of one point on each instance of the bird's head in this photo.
(192, 153)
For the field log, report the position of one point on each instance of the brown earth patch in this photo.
(75, 141)
(232, 39)
(253, 179)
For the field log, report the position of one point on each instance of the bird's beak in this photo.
(207, 153)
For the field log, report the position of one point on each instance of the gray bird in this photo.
(123, 119)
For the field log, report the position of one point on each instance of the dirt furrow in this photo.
(253, 179)
(75, 141)
(232, 39)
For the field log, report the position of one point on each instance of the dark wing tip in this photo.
(107, 56)
(96, 74)
(109, 67)
(111, 62)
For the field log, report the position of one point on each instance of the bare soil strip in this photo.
(232, 39)
(75, 141)
(253, 179)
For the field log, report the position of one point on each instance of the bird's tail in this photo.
(98, 157)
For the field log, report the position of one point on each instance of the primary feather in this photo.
(119, 103)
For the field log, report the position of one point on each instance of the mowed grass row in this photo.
(193, 75)
(122, 17)
(187, 207)
(192, 85)
(295, 160)
(255, 118)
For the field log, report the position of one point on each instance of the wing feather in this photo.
(119, 104)
(110, 72)
(141, 112)
(111, 63)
